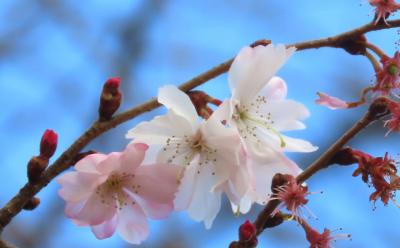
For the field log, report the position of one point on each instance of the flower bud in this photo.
(36, 166)
(110, 99)
(32, 204)
(48, 144)
(378, 108)
(248, 234)
(354, 45)
(345, 156)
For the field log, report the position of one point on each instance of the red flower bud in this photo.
(110, 99)
(48, 144)
(32, 204)
(248, 234)
(36, 166)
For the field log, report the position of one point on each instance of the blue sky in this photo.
(58, 56)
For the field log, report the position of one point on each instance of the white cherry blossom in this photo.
(212, 155)
(258, 107)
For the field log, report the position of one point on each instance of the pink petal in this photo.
(330, 101)
(132, 157)
(89, 163)
(105, 229)
(158, 182)
(93, 211)
(78, 186)
(111, 163)
(153, 209)
(132, 224)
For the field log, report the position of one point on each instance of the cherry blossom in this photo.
(115, 192)
(258, 108)
(292, 196)
(212, 155)
(388, 78)
(384, 8)
(330, 101)
(321, 240)
(393, 124)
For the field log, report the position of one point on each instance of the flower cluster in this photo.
(388, 78)
(380, 172)
(234, 151)
(384, 8)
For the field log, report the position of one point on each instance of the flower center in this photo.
(393, 70)
(112, 192)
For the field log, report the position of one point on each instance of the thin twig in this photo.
(14, 206)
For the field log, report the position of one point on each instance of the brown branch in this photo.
(14, 206)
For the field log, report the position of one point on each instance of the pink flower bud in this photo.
(110, 99)
(330, 101)
(48, 144)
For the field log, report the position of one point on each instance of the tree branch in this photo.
(14, 206)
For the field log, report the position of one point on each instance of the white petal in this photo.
(275, 89)
(205, 204)
(173, 98)
(253, 68)
(282, 115)
(185, 191)
(265, 171)
(160, 128)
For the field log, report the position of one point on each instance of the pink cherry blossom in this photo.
(115, 192)
(384, 8)
(388, 77)
(330, 101)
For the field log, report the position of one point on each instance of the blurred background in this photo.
(56, 54)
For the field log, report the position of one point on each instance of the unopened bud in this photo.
(48, 144)
(110, 99)
(345, 156)
(354, 45)
(378, 108)
(248, 234)
(279, 180)
(32, 204)
(36, 166)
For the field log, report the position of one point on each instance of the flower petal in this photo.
(92, 212)
(275, 89)
(330, 101)
(283, 115)
(78, 186)
(132, 157)
(88, 163)
(132, 224)
(254, 67)
(204, 205)
(105, 229)
(156, 183)
(158, 130)
(173, 98)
